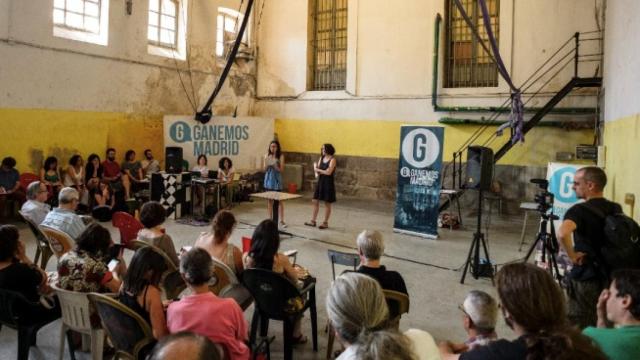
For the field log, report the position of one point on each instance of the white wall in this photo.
(41, 71)
(392, 44)
(622, 51)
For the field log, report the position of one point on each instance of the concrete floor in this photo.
(431, 268)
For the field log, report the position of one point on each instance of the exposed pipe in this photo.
(479, 122)
(472, 109)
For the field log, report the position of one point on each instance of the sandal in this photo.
(311, 223)
(299, 340)
(324, 225)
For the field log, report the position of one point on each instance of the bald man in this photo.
(185, 346)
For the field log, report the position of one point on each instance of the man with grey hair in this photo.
(63, 217)
(185, 346)
(371, 249)
(35, 207)
(480, 317)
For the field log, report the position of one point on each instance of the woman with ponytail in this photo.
(534, 307)
(358, 313)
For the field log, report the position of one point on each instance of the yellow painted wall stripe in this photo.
(371, 138)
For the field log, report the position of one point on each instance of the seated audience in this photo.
(102, 203)
(50, 176)
(185, 346)
(371, 249)
(18, 273)
(217, 243)
(63, 217)
(140, 291)
(152, 216)
(534, 307)
(133, 171)
(149, 164)
(480, 316)
(201, 166)
(93, 171)
(74, 175)
(264, 254)
(357, 310)
(112, 174)
(219, 319)
(10, 182)
(618, 309)
(84, 269)
(36, 209)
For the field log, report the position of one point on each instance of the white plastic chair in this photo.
(76, 314)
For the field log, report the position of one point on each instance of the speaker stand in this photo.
(473, 257)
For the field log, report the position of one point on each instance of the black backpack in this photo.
(621, 248)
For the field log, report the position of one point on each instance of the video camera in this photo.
(543, 198)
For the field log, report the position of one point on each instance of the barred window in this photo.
(467, 64)
(82, 15)
(228, 25)
(328, 47)
(163, 23)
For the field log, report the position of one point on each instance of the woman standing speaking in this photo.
(326, 189)
(273, 165)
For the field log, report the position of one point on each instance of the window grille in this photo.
(328, 58)
(82, 15)
(467, 64)
(163, 23)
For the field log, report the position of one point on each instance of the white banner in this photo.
(242, 139)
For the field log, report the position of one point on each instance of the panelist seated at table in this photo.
(201, 166)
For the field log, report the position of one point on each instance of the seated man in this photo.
(10, 183)
(63, 217)
(35, 208)
(619, 305)
(221, 320)
(149, 164)
(370, 249)
(112, 175)
(480, 317)
(185, 346)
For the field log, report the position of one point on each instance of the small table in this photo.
(204, 184)
(276, 196)
(527, 207)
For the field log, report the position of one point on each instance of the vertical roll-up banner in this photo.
(419, 179)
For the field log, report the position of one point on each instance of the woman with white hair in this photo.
(358, 313)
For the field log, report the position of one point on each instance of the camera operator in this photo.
(587, 278)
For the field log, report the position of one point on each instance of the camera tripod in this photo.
(549, 245)
(473, 258)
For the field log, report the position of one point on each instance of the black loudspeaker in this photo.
(173, 159)
(479, 168)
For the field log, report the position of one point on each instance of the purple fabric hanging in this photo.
(516, 118)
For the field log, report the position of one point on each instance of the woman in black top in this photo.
(140, 291)
(18, 273)
(325, 189)
(533, 306)
(93, 171)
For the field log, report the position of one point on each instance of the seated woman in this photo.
(19, 274)
(140, 291)
(101, 202)
(217, 244)
(85, 268)
(74, 176)
(357, 311)
(93, 171)
(133, 170)
(225, 176)
(50, 176)
(201, 166)
(152, 216)
(264, 254)
(221, 320)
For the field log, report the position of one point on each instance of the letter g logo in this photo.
(180, 132)
(420, 148)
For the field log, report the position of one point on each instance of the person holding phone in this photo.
(273, 165)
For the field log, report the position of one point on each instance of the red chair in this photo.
(246, 244)
(128, 226)
(26, 179)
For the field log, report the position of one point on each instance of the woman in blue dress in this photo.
(273, 165)
(325, 189)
